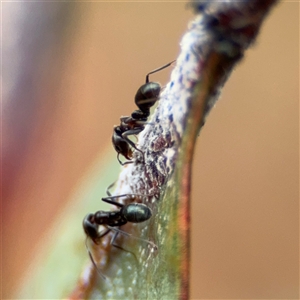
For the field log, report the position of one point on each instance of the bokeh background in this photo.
(70, 70)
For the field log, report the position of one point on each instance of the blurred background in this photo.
(70, 70)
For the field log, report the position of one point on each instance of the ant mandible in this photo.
(145, 98)
(133, 213)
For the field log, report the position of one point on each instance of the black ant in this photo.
(145, 98)
(133, 213)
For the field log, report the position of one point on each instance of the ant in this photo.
(145, 98)
(133, 213)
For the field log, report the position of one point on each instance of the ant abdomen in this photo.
(136, 212)
(147, 95)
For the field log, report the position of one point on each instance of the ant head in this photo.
(136, 212)
(147, 95)
(90, 228)
(121, 145)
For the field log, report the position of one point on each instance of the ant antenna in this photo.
(159, 69)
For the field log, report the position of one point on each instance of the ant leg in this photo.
(114, 238)
(143, 123)
(121, 163)
(101, 235)
(110, 196)
(131, 143)
(112, 242)
(134, 131)
(110, 200)
(90, 254)
(159, 69)
(92, 260)
(109, 187)
(107, 199)
(134, 237)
